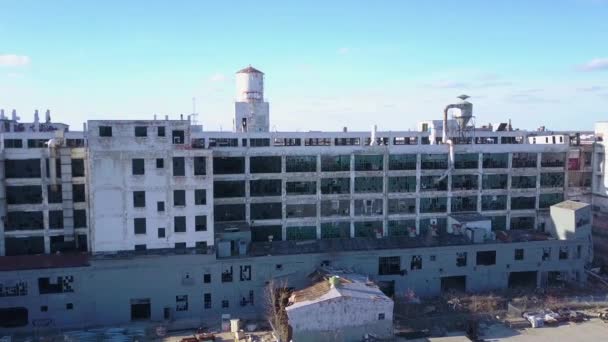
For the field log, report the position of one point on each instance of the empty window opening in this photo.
(160, 163)
(486, 258)
(369, 162)
(160, 131)
(335, 163)
(179, 167)
(563, 253)
(137, 166)
(228, 165)
(78, 193)
(25, 194)
(207, 278)
(140, 309)
(141, 131)
(139, 199)
(227, 274)
(227, 189)
(453, 284)
(245, 272)
(335, 186)
(139, 225)
(301, 164)
(77, 167)
(161, 233)
(200, 166)
(179, 198)
(461, 259)
(179, 224)
(301, 210)
(402, 162)
(178, 137)
(263, 164)
(518, 254)
(13, 317)
(546, 256)
(266, 211)
(22, 168)
(389, 265)
(200, 197)
(266, 233)
(335, 230)
(265, 187)
(522, 280)
(416, 262)
(105, 131)
(160, 206)
(200, 223)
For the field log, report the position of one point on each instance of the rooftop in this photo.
(572, 205)
(249, 70)
(347, 284)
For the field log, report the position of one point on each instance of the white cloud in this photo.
(344, 50)
(14, 60)
(595, 64)
(217, 77)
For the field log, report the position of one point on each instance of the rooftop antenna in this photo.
(194, 114)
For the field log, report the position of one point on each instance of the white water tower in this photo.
(251, 112)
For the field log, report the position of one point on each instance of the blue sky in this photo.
(328, 63)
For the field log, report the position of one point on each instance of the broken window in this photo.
(401, 227)
(64, 284)
(13, 143)
(519, 254)
(178, 137)
(317, 142)
(22, 168)
(36, 143)
(368, 184)
(335, 186)
(368, 207)
(490, 182)
(347, 141)
(402, 162)
(179, 198)
(200, 223)
(24, 245)
(264, 164)
(160, 206)
(200, 197)
(335, 163)
(524, 160)
(486, 258)
(547, 200)
(259, 142)
(200, 166)
(369, 162)
(24, 194)
(225, 189)
(55, 219)
(335, 230)
(265, 187)
(181, 303)
(77, 167)
(207, 300)
(552, 180)
(546, 256)
(266, 211)
(139, 225)
(402, 206)
(552, 159)
(267, 233)
(179, 166)
(160, 233)
(179, 224)
(335, 208)
(466, 161)
(207, 278)
(160, 163)
(493, 202)
(416, 262)
(139, 199)
(461, 259)
(433, 204)
(228, 212)
(389, 265)
(464, 204)
(465, 182)
(78, 193)
(495, 160)
(563, 252)
(54, 194)
(226, 274)
(523, 203)
(228, 165)
(301, 233)
(368, 229)
(522, 222)
(105, 131)
(245, 272)
(141, 131)
(433, 183)
(301, 164)
(433, 161)
(24, 220)
(137, 166)
(401, 184)
(301, 210)
(523, 182)
(80, 218)
(301, 188)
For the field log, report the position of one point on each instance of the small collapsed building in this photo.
(340, 306)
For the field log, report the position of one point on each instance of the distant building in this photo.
(340, 306)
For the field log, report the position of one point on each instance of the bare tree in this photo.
(277, 297)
